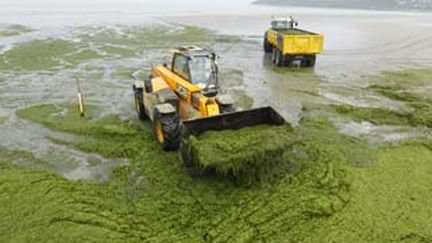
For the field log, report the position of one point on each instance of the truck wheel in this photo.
(279, 59)
(274, 55)
(309, 61)
(139, 103)
(167, 130)
(312, 61)
(267, 47)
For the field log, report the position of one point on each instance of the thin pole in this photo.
(80, 96)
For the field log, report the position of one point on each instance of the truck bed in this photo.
(294, 32)
(295, 41)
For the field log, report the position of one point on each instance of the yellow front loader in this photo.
(183, 99)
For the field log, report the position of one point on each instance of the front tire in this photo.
(139, 103)
(167, 131)
(267, 46)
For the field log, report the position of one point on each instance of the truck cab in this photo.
(284, 24)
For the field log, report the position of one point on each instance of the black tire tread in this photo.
(267, 46)
(138, 93)
(171, 130)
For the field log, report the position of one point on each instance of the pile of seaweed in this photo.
(251, 152)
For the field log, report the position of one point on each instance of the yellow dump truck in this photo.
(289, 44)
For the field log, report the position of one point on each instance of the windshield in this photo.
(280, 25)
(202, 71)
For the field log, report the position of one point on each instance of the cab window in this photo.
(200, 69)
(180, 66)
(280, 25)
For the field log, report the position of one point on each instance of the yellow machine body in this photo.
(179, 106)
(296, 42)
(193, 104)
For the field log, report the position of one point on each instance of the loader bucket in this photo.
(231, 121)
(234, 121)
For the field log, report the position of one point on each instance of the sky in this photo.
(41, 13)
(139, 5)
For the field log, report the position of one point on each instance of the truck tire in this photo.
(309, 61)
(167, 131)
(312, 61)
(274, 55)
(139, 103)
(279, 59)
(267, 46)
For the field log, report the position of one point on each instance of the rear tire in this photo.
(139, 103)
(309, 61)
(274, 55)
(312, 61)
(279, 59)
(167, 130)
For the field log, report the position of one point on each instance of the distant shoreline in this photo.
(344, 5)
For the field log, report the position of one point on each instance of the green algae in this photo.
(13, 30)
(82, 55)
(126, 73)
(46, 55)
(133, 41)
(120, 51)
(390, 197)
(421, 116)
(377, 116)
(106, 136)
(390, 201)
(404, 79)
(399, 86)
(43, 207)
(395, 93)
(126, 42)
(333, 185)
(155, 199)
(36, 55)
(248, 151)
(24, 159)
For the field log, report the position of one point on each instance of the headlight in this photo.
(201, 85)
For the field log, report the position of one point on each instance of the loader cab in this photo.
(198, 67)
